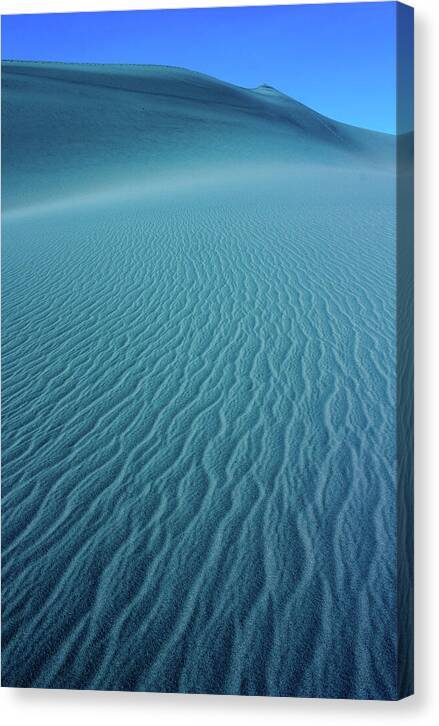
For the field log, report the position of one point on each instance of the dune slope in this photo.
(85, 128)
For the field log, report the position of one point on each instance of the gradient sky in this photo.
(340, 59)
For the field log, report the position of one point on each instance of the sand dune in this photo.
(87, 129)
(198, 408)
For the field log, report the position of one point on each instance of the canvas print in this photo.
(207, 415)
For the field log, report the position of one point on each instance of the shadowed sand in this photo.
(198, 388)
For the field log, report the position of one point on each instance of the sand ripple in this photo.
(198, 441)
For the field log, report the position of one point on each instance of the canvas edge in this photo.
(405, 351)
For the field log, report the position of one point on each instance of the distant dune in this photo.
(89, 127)
(199, 295)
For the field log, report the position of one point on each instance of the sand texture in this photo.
(199, 388)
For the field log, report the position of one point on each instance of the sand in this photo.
(199, 290)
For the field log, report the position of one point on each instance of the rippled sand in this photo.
(199, 388)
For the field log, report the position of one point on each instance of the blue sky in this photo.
(340, 59)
